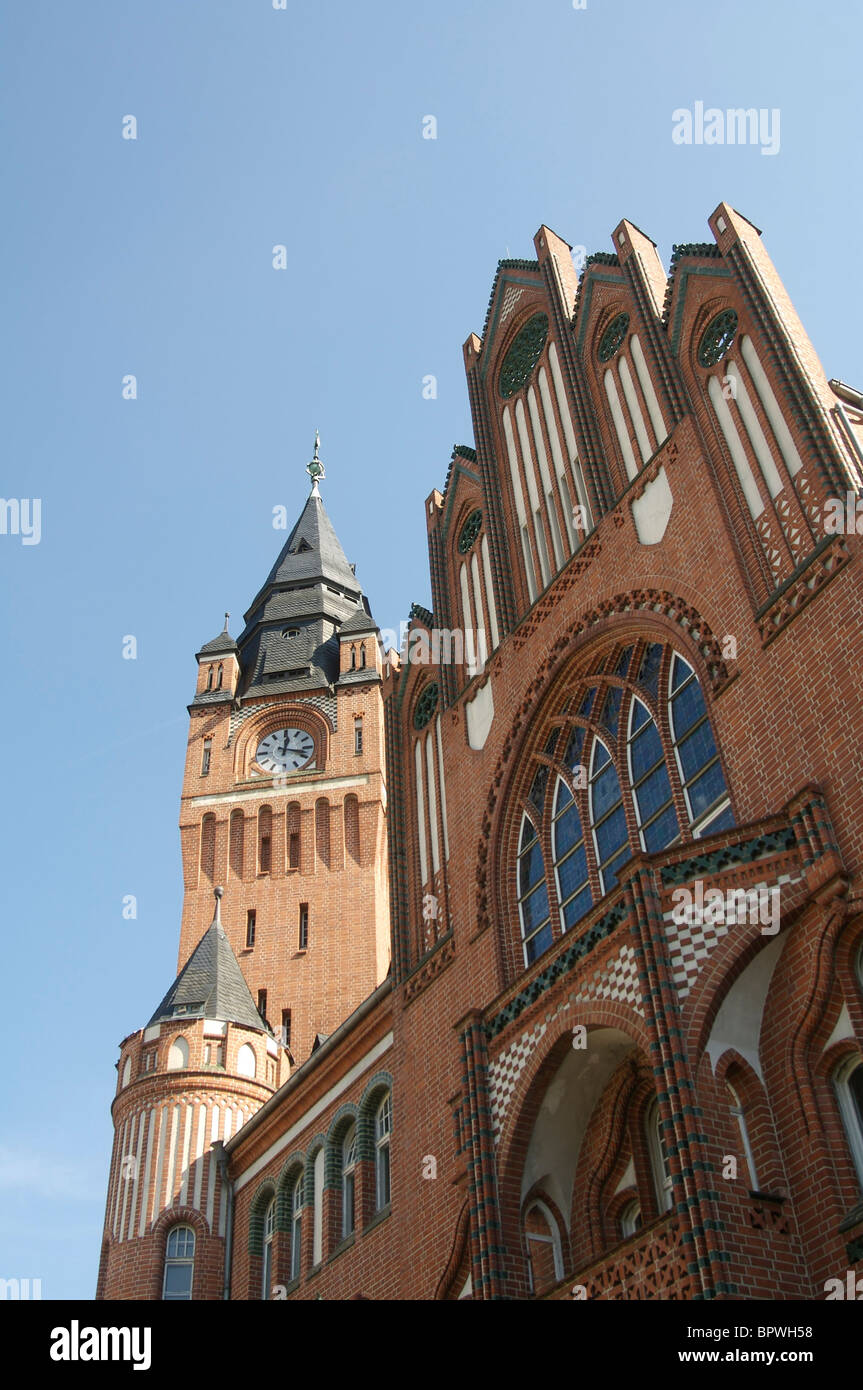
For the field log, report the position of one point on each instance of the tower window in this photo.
(304, 926)
(179, 1264)
(358, 736)
(265, 854)
(262, 1004)
(251, 919)
(209, 677)
(294, 850)
(205, 759)
(219, 681)
(286, 1027)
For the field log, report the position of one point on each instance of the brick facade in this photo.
(635, 695)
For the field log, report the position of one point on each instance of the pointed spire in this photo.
(211, 983)
(315, 469)
(225, 628)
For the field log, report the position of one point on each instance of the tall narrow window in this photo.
(262, 1004)
(219, 681)
(383, 1130)
(237, 836)
(740, 1116)
(251, 919)
(848, 1081)
(265, 840)
(570, 856)
(269, 1230)
(293, 825)
(205, 757)
(179, 1264)
(208, 845)
(349, 1165)
(607, 816)
(286, 1027)
(296, 1225)
(318, 1212)
(698, 759)
(363, 655)
(304, 926)
(544, 1261)
(209, 678)
(658, 1159)
(358, 736)
(533, 894)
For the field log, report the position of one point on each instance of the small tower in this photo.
(205, 1062)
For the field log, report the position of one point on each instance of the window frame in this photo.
(179, 1261)
(383, 1164)
(850, 1108)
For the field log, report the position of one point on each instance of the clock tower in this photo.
(284, 794)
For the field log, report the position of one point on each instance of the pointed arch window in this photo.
(607, 816)
(848, 1083)
(630, 765)
(696, 751)
(533, 904)
(659, 1166)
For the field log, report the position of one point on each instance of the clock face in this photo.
(285, 750)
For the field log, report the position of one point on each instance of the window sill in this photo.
(854, 1218)
(378, 1218)
(343, 1245)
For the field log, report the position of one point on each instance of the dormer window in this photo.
(291, 632)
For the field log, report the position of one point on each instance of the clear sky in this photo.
(300, 127)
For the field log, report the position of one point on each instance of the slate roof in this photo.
(211, 985)
(311, 587)
(360, 622)
(223, 645)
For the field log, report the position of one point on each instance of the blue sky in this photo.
(300, 127)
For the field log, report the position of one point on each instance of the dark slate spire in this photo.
(211, 983)
(290, 641)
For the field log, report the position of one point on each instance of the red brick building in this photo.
(538, 969)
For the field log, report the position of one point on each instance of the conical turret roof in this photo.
(211, 984)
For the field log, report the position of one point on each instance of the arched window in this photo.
(219, 681)
(739, 1114)
(544, 1259)
(209, 678)
(179, 1264)
(237, 836)
(630, 1218)
(296, 1225)
(532, 893)
(848, 1083)
(349, 1165)
(695, 749)
(265, 840)
(269, 1231)
(127, 1073)
(658, 1158)
(178, 1055)
(208, 846)
(246, 1061)
(630, 765)
(383, 1130)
